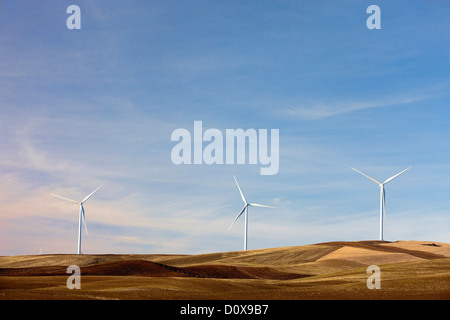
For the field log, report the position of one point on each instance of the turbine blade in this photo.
(384, 204)
(242, 195)
(240, 213)
(85, 199)
(259, 205)
(67, 199)
(393, 177)
(376, 181)
(84, 218)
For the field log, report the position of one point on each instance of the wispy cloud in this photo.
(321, 110)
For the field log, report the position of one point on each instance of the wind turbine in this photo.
(382, 196)
(245, 208)
(82, 217)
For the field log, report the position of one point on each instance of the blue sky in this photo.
(80, 108)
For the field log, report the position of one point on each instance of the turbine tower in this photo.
(382, 196)
(82, 218)
(245, 208)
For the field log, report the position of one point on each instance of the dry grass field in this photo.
(333, 270)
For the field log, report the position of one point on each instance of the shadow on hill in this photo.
(153, 269)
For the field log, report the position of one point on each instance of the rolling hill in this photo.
(332, 270)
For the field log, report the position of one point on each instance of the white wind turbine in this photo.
(82, 217)
(245, 208)
(382, 196)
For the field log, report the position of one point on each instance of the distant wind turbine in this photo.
(382, 196)
(245, 208)
(82, 218)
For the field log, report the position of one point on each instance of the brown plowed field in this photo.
(334, 270)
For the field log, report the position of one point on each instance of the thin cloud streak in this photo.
(319, 110)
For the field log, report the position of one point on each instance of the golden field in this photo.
(332, 270)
